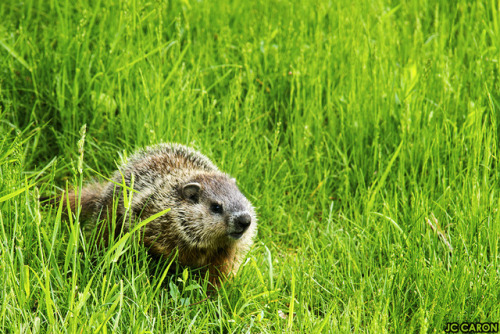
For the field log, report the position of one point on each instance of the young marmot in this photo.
(211, 223)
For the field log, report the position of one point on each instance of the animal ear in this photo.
(191, 191)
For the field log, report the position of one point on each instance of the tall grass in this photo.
(365, 133)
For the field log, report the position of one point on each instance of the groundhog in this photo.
(211, 224)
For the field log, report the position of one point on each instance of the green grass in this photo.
(353, 126)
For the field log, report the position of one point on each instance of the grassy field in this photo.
(366, 133)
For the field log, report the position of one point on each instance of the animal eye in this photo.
(216, 208)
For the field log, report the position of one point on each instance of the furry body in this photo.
(211, 223)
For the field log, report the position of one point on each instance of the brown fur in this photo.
(182, 179)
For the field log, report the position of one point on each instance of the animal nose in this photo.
(243, 221)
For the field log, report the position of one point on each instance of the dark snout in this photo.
(243, 221)
(239, 225)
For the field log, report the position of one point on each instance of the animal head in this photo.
(213, 212)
